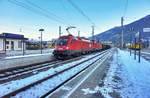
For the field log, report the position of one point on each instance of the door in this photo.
(12, 45)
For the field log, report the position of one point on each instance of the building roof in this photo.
(13, 36)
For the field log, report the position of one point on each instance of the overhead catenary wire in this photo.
(46, 11)
(65, 9)
(42, 12)
(81, 12)
(68, 14)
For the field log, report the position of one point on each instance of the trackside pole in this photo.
(131, 29)
(23, 48)
(130, 44)
(135, 49)
(139, 47)
(59, 31)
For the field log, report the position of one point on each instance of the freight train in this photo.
(74, 46)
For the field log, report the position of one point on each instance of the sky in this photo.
(28, 16)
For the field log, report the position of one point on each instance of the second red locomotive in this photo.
(73, 46)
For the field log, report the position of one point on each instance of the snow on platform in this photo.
(27, 52)
(127, 77)
(16, 61)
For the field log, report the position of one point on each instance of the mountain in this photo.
(114, 33)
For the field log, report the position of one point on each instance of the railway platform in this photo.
(84, 85)
(18, 61)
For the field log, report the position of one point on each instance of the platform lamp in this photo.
(41, 30)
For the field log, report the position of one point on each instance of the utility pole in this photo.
(78, 33)
(135, 48)
(131, 29)
(122, 43)
(147, 42)
(93, 36)
(20, 30)
(22, 45)
(59, 31)
(130, 41)
(4, 42)
(93, 33)
(139, 46)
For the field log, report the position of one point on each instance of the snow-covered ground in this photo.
(126, 77)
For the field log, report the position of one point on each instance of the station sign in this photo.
(146, 29)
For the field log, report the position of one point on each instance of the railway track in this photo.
(59, 72)
(8, 75)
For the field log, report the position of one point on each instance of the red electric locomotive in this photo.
(73, 46)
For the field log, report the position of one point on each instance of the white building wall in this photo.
(16, 44)
(1, 44)
(9, 46)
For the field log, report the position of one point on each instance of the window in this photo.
(19, 44)
(62, 42)
(7, 42)
(72, 41)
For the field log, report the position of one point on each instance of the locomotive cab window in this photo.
(62, 42)
(72, 41)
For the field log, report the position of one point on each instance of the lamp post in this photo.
(41, 30)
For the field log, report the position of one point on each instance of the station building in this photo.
(10, 41)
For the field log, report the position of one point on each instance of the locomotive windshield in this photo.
(62, 42)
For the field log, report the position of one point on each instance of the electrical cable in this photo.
(34, 10)
(31, 3)
(81, 12)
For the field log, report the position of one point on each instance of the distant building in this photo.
(34, 45)
(9, 41)
(108, 43)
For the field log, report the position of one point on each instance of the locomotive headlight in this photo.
(67, 48)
